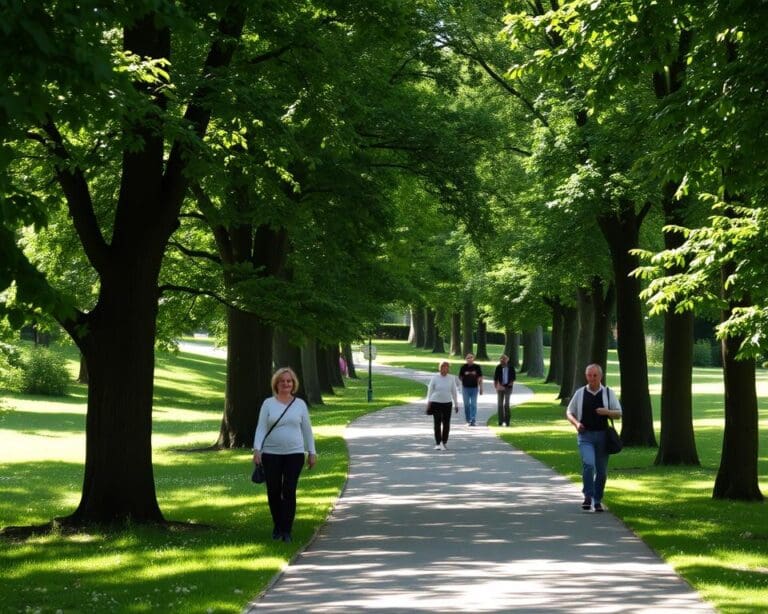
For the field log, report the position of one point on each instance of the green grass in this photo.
(216, 568)
(720, 547)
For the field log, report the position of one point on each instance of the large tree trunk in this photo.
(602, 306)
(677, 444)
(585, 318)
(534, 348)
(512, 347)
(455, 333)
(621, 231)
(482, 339)
(556, 342)
(418, 325)
(412, 327)
(346, 350)
(429, 328)
(323, 369)
(438, 347)
(737, 477)
(249, 371)
(466, 327)
(118, 484)
(570, 335)
(82, 375)
(311, 379)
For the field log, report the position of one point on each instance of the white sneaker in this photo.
(439, 446)
(443, 447)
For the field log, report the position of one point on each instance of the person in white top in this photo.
(283, 434)
(442, 392)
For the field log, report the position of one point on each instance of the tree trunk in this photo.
(311, 378)
(249, 372)
(556, 343)
(438, 347)
(512, 347)
(737, 477)
(118, 484)
(482, 339)
(535, 351)
(429, 328)
(602, 306)
(412, 328)
(455, 333)
(347, 352)
(82, 375)
(621, 232)
(323, 369)
(466, 326)
(570, 335)
(677, 439)
(418, 326)
(334, 369)
(585, 317)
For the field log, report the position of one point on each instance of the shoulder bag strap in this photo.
(276, 421)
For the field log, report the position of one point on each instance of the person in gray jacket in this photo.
(283, 435)
(588, 411)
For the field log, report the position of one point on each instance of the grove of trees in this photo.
(282, 172)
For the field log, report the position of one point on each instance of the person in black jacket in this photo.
(503, 379)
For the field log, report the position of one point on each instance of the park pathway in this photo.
(481, 527)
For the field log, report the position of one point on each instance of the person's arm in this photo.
(455, 393)
(614, 409)
(571, 413)
(261, 430)
(479, 380)
(309, 438)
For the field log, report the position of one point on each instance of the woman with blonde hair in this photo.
(283, 436)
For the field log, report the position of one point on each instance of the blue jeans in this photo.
(594, 463)
(470, 403)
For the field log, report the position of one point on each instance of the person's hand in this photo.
(456, 409)
(256, 458)
(311, 460)
(603, 411)
(580, 427)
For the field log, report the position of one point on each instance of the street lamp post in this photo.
(370, 370)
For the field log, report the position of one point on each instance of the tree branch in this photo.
(193, 253)
(196, 292)
(75, 188)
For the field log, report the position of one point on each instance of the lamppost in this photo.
(370, 370)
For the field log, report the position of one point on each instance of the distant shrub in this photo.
(10, 367)
(703, 353)
(654, 348)
(45, 373)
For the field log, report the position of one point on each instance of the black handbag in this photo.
(613, 443)
(258, 477)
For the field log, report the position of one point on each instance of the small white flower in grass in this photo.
(238, 591)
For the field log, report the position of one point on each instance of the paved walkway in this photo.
(481, 527)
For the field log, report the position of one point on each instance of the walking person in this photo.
(283, 434)
(442, 394)
(471, 377)
(503, 380)
(588, 412)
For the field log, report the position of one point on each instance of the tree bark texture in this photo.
(311, 378)
(737, 476)
(556, 342)
(466, 327)
(249, 373)
(570, 336)
(585, 318)
(482, 339)
(455, 334)
(418, 325)
(677, 442)
(512, 347)
(346, 350)
(621, 231)
(603, 301)
(429, 328)
(323, 369)
(535, 350)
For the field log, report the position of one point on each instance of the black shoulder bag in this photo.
(258, 476)
(613, 443)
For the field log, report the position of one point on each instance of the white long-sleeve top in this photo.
(443, 389)
(292, 435)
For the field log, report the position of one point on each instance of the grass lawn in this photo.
(216, 568)
(720, 547)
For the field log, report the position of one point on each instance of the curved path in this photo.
(481, 527)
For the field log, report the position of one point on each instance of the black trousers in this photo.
(503, 404)
(282, 477)
(441, 414)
